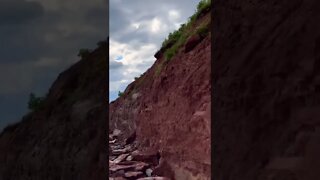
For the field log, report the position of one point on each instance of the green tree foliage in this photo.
(120, 94)
(83, 53)
(35, 102)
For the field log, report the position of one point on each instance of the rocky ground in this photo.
(127, 162)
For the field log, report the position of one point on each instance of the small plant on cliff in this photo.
(120, 94)
(35, 102)
(203, 31)
(172, 38)
(83, 53)
(203, 5)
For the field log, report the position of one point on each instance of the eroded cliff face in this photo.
(169, 109)
(66, 137)
(266, 90)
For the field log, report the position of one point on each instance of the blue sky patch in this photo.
(119, 58)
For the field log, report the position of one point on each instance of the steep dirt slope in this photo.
(169, 109)
(266, 90)
(66, 137)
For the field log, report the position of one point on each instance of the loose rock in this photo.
(133, 174)
(149, 172)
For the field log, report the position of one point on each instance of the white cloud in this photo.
(136, 25)
(174, 15)
(131, 53)
(155, 25)
(133, 57)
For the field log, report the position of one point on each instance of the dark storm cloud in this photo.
(19, 11)
(17, 25)
(40, 39)
(97, 17)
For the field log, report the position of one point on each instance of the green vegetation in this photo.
(120, 94)
(178, 38)
(203, 31)
(172, 38)
(35, 102)
(83, 53)
(202, 6)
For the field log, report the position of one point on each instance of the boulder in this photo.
(151, 156)
(158, 55)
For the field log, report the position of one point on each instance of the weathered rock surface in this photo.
(66, 138)
(266, 77)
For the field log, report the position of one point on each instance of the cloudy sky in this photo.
(38, 40)
(137, 29)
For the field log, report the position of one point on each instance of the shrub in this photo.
(203, 31)
(120, 94)
(170, 53)
(83, 53)
(202, 5)
(35, 102)
(182, 27)
(192, 19)
(172, 38)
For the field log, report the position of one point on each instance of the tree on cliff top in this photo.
(83, 53)
(35, 102)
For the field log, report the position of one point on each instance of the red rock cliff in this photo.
(169, 109)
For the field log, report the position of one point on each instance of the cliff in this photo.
(65, 137)
(168, 108)
(266, 80)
